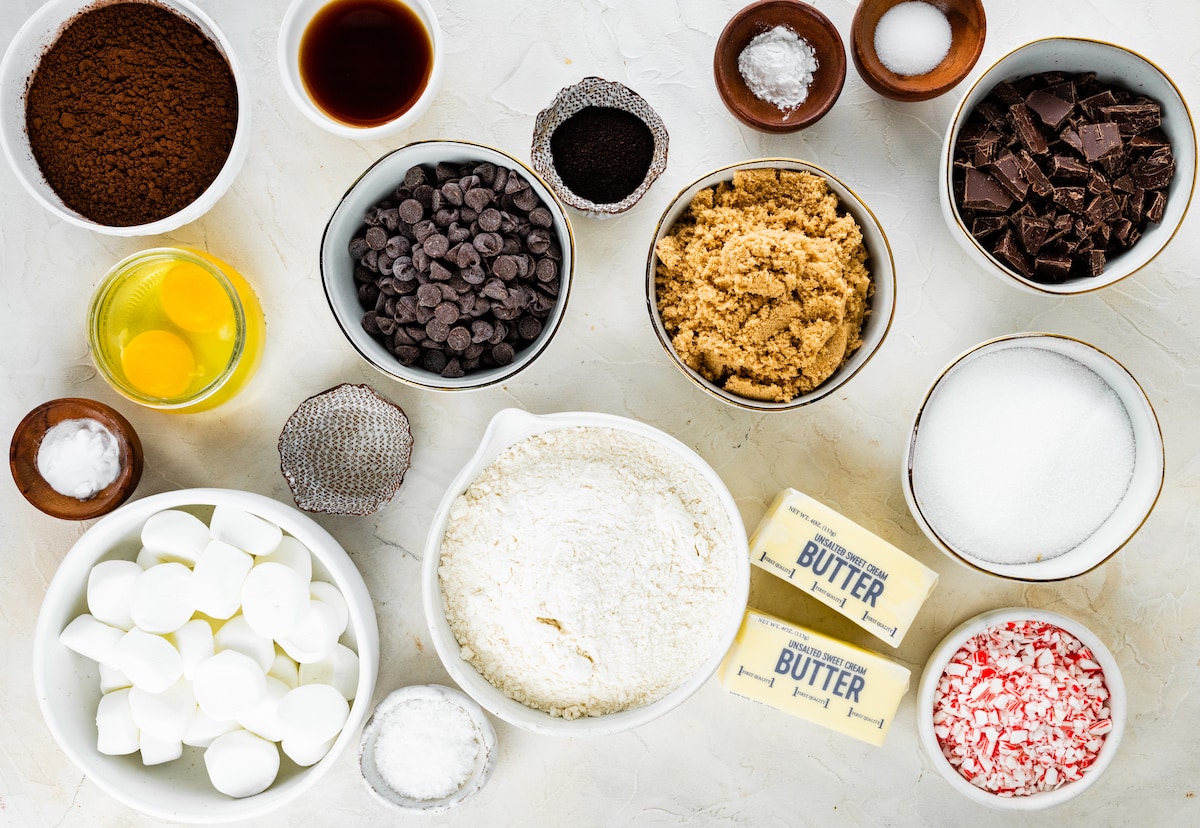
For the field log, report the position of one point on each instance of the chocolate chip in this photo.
(459, 338)
(529, 327)
(434, 361)
(489, 220)
(503, 353)
(411, 211)
(376, 238)
(358, 247)
(446, 312)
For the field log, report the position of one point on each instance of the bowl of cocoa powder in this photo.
(126, 118)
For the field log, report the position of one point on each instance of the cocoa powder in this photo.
(131, 113)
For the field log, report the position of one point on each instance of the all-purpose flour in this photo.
(588, 570)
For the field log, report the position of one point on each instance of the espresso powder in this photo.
(131, 113)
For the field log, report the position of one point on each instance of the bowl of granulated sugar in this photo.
(1034, 457)
(584, 573)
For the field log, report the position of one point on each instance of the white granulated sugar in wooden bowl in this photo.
(588, 570)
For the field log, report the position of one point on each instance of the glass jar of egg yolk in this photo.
(175, 329)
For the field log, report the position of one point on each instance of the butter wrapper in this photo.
(842, 565)
(821, 679)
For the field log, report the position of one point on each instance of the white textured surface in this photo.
(716, 760)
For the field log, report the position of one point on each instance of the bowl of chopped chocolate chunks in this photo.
(1068, 165)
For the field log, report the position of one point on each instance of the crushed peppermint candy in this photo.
(1021, 708)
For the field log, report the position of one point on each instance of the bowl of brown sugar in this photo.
(126, 118)
(770, 283)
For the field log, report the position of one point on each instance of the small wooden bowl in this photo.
(968, 27)
(809, 24)
(27, 439)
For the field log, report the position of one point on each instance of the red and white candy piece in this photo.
(1021, 708)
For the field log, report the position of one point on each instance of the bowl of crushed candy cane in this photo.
(1021, 709)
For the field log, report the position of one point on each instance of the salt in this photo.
(426, 748)
(1020, 455)
(912, 38)
(778, 67)
(79, 458)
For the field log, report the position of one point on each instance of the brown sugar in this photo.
(762, 285)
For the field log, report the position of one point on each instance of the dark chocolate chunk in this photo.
(1032, 233)
(985, 226)
(1098, 140)
(1154, 172)
(1156, 206)
(983, 194)
(1069, 198)
(1052, 268)
(1026, 130)
(1066, 168)
(1008, 250)
(1007, 173)
(1134, 118)
(1050, 108)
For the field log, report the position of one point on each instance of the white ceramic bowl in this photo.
(1135, 506)
(880, 264)
(936, 665)
(510, 426)
(485, 760)
(68, 686)
(1111, 63)
(295, 21)
(337, 266)
(19, 64)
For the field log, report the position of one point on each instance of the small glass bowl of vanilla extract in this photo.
(175, 329)
(361, 68)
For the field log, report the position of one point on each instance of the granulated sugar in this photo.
(588, 570)
(1021, 454)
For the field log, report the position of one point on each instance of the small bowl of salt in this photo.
(426, 748)
(779, 65)
(1033, 457)
(915, 50)
(75, 459)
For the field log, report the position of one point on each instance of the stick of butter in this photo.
(842, 565)
(818, 678)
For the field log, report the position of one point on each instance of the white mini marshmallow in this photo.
(327, 593)
(272, 599)
(175, 536)
(194, 640)
(292, 554)
(117, 735)
(227, 684)
(109, 588)
(285, 669)
(217, 579)
(237, 634)
(263, 718)
(112, 679)
(241, 764)
(313, 635)
(156, 751)
(203, 729)
(150, 661)
(247, 532)
(147, 559)
(304, 753)
(165, 715)
(162, 598)
(92, 639)
(312, 713)
(339, 669)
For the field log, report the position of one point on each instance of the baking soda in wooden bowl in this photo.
(1021, 709)
(1034, 457)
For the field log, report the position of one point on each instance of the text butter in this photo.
(841, 564)
(818, 678)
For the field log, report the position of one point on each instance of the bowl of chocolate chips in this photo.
(1068, 165)
(447, 265)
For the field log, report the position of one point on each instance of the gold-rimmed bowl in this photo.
(882, 302)
(1133, 508)
(377, 183)
(1111, 63)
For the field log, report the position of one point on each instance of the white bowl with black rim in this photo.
(377, 183)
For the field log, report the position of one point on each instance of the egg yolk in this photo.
(158, 364)
(194, 300)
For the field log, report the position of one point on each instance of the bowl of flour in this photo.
(584, 573)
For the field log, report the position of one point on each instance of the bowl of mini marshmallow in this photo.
(205, 655)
